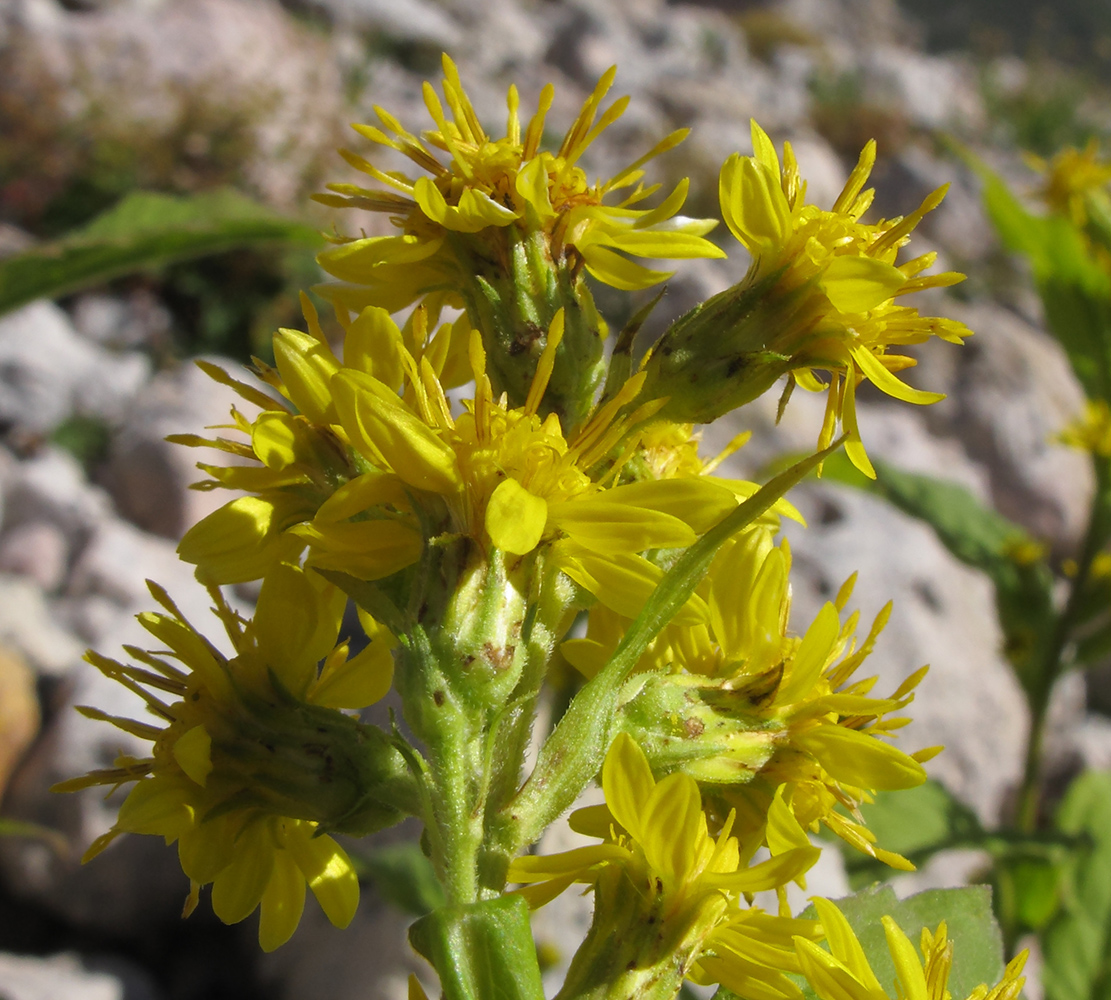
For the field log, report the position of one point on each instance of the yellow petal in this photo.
(306, 366)
(612, 527)
(701, 502)
(238, 889)
(908, 967)
(379, 424)
(532, 185)
(369, 550)
(296, 622)
(283, 902)
(859, 759)
(244, 538)
(617, 271)
(156, 806)
(328, 871)
(373, 345)
(811, 656)
(359, 681)
(515, 518)
(844, 945)
(883, 380)
(829, 978)
(858, 284)
(673, 826)
(193, 753)
(627, 783)
(206, 848)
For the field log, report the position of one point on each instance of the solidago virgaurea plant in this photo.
(476, 477)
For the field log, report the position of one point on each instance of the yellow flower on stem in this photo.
(505, 229)
(666, 891)
(236, 776)
(821, 295)
(843, 972)
(375, 465)
(1075, 183)
(751, 711)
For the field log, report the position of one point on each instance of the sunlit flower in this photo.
(376, 464)
(747, 709)
(666, 890)
(821, 295)
(1075, 183)
(504, 228)
(236, 775)
(1091, 431)
(843, 972)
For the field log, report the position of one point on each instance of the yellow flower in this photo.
(1091, 431)
(843, 972)
(235, 775)
(364, 477)
(1075, 183)
(505, 230)
(749, 710)
(489, 185)
(666, 890)
(820, 295)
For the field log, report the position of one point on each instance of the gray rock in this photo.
(56, 977)
(51, 487)
(1011, 392)
(48, 373)
(139, 320)
(37, 550)
(30, 626)
(418, 21)
(933, 92)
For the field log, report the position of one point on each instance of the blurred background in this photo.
(103, 98)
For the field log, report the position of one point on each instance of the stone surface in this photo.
(1012, 391)
(38, 550)
(24, 977)
(48, 373)
(28, 625)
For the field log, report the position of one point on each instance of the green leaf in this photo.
(977, 942)
(145, 230)
(983, 539)
(403, 876)
(23, 828)
(916, 823)
(1074, 286)
(1077, 945)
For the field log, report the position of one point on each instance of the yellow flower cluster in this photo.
(753, 712)
(473, 525)
(687, 918)
(235, 774)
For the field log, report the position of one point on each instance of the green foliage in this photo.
(142, 232)
(1077, 945)
(403, 876)
(977, 941)
(983, 539)
(86, 438)
(1074, 287)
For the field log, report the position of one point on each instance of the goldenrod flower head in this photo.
(376, 458)
(489, 184)
(1072, 180)
(1091, 431)
(505, 230)
(821, 295)
(659, 866)
(743, 706)
(843, 972)
(235, 776)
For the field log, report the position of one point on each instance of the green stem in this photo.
(1053, 660)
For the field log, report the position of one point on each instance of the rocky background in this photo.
(98, 97)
